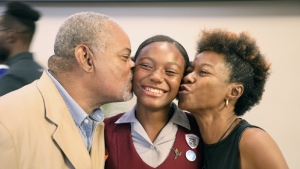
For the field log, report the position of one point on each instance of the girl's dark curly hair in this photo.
(244, 61)
(163, 38)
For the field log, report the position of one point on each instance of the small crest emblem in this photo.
(192, 140)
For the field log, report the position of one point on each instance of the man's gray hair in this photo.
(87, 28)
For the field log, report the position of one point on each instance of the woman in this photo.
(155, 133)
(225, 80)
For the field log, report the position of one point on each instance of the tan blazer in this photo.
(37, 131)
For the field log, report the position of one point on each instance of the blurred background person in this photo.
(3, 68)
(17, 27)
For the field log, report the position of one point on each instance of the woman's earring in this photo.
(226, 103)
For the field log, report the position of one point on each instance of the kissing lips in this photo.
(184, 89)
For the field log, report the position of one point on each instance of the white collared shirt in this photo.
(154, 153)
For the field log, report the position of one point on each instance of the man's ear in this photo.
(235, 91)
(84, 58)
(11, 36)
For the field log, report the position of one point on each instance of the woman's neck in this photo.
(214, 126)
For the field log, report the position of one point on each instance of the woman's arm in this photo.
(259, 151)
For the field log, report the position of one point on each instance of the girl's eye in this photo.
(171, 72)
(146, 66)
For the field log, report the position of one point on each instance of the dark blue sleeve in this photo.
(9, 83)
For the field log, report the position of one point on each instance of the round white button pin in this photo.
(190, 155)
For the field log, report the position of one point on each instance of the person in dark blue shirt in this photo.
(17, 27)
(3, 69)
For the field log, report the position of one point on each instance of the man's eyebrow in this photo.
(125, 50)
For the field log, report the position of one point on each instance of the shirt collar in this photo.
(23, 55)
(77, 112)
(179, 117)
(127, 117)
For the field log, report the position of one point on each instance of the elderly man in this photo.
(55, 122)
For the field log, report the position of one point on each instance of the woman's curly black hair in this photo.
(244, 60)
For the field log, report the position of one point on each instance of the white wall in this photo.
(275, 25)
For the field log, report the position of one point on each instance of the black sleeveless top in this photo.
(227, 154)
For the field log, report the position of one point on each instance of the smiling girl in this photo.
(155, 133)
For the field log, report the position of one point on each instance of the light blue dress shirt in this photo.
(86, 124)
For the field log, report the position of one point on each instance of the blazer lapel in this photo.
(66, 134)
(70, 141)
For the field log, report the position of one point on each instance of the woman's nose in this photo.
(189, 78)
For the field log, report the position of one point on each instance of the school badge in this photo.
(192, 140)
